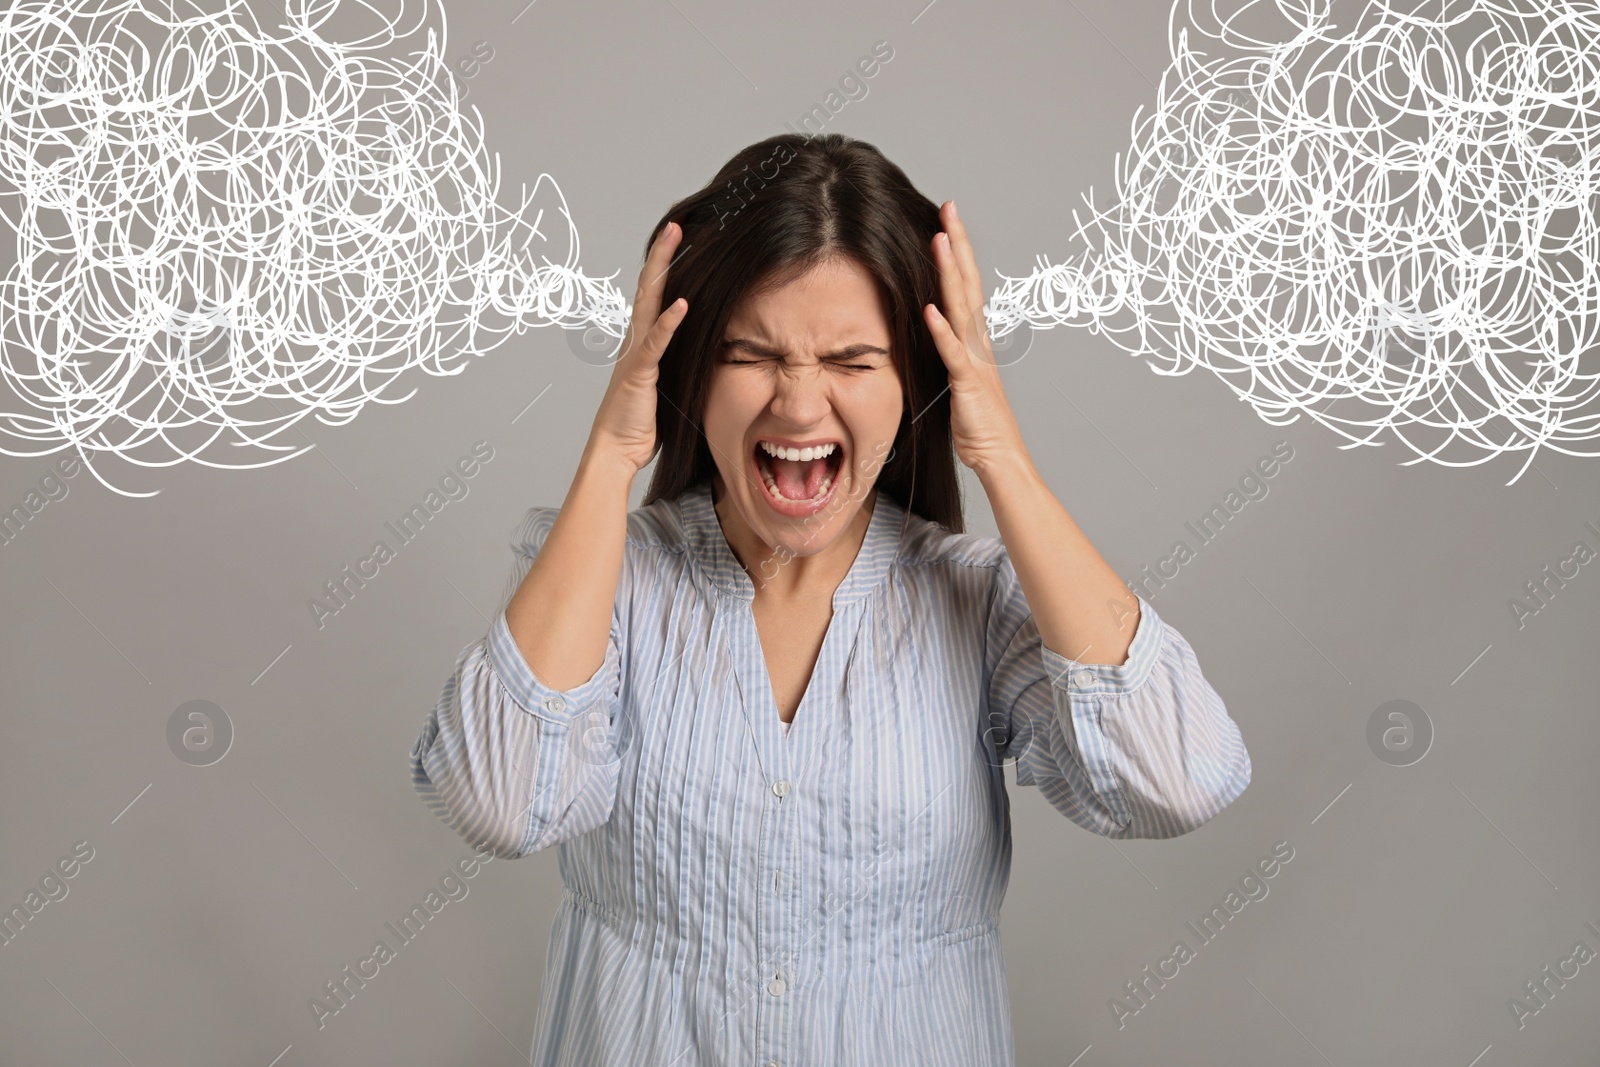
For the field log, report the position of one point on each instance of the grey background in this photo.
(225, 896)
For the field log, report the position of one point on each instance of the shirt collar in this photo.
(710, 548)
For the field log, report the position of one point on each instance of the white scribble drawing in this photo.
(226, 222)
(1392, 214)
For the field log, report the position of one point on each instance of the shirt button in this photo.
(781, 787)
(776, 986)
(555, 703)
(1082, 679)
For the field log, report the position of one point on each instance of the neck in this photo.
(775, 572)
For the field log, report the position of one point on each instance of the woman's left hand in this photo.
(982, 424)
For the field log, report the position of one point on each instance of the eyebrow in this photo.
(850, 352)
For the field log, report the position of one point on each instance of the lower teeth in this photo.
(776, 494)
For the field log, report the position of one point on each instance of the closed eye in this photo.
(730, 345)
(848, 366)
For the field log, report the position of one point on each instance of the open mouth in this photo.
(799, 476)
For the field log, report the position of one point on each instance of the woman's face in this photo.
(804, 366)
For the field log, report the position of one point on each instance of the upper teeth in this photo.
(819, 452)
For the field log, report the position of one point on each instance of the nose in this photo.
(800, 396)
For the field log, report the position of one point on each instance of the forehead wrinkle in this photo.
(821, 331)
(827, 337)
(841, 351)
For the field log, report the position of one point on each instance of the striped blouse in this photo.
(735, 893)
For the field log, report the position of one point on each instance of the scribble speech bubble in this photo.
(226, 222)
(1389, 224)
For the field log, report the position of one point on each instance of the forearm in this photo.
(560, 615)
(1082, 608)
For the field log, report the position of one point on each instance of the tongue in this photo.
(798, 479)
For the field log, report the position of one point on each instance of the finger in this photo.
(653, 279)
(951, 287)
(951, 348)
(651, 283)
(660, 333)
(974, 328)
(967, 258)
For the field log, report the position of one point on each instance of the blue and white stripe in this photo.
(735, 893)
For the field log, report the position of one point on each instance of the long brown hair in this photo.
(774, 211)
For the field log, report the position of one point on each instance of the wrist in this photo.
(600, 460)
(1007, 469)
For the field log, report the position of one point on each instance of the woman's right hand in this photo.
(625, 425)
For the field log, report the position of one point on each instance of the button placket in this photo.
(782, 766)
(778, 830)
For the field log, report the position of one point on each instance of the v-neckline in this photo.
(710, 548)
(768, 703)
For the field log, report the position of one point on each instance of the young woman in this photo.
(764, 716)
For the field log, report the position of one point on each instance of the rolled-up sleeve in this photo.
(1140, 749)
(508, 762)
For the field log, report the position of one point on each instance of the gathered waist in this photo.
(634, 929)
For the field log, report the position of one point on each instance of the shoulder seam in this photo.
(675, 549)
(960, 561)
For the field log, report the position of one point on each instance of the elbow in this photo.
(1212, 763)
(1208, 799)
(475, 796)
(1174, 813)
(510, 780)
(1216, 799)
(509, 823)
(1236, 758)
(500, 846)
(474, 816)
